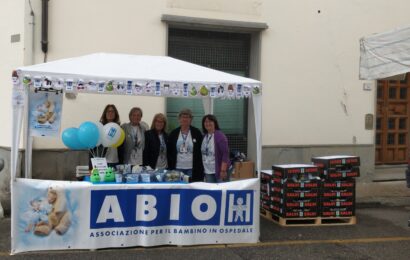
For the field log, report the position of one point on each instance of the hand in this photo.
(223, 175)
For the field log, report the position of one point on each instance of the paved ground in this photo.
(381, 232)
(388, 187)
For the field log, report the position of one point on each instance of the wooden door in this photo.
(392, 121)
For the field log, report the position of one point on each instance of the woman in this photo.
(184, 148)
(215, 151)
(155, 149)
(133, 146)
(109, 115)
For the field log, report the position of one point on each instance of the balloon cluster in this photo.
(90, 135)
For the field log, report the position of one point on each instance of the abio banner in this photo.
(51, 215)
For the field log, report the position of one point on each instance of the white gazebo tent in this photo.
(121, 74)
(385, 54)
(146, 71)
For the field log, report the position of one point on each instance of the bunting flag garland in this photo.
(137, 88)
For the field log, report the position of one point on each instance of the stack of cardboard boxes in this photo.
(338, 186)
(265, 202)
(295, 190)
(324, 189)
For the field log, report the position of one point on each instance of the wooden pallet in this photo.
(334, 221)
(319, 221)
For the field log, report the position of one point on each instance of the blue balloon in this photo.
(70, 139)
(88, 134)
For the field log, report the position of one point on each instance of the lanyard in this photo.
(162, 143)
(208, 139)
(184, 137)
(135, 131)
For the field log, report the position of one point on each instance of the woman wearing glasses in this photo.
(132, 148)
(109, 115)
(184, 148)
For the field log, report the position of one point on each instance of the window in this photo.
(229, 52)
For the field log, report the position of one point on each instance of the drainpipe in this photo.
(44, 28)
(32, 32)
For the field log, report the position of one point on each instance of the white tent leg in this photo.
(28, 141)
(257, 113)
(208, 104)
(17, 120)
(29, 149)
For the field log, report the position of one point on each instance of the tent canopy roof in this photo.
(108, 66)
(385, 54)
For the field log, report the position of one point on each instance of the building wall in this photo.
(310, 59)
(313, 101)
(310, 65)
(12, 55)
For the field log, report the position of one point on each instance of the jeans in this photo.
(210, 178)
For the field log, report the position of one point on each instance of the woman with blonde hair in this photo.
(134, 143)
(155, 150)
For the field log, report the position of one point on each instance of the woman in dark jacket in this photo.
(155, 149)
(184, 148)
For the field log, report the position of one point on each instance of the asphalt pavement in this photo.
(381, 232)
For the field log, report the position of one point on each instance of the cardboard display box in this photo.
(330, 193)
(335, 174)
(336, 161)
(266, 176)
(337, 202)
(339, 184)
(285, 193)
(243, 170)
(338, 212)
(297, 172)
(284, 201)
(289, 184)
(295, 212)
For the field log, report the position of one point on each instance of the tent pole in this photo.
(208, 104)
(257, 113)
(28, 139)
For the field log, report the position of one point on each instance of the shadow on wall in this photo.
(62, 166)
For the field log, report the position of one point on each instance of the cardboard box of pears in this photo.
(136, 174)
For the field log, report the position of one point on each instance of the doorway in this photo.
(392, 120)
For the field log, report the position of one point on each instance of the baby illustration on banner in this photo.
(46, 215)
(45, 113)
(37, 214)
